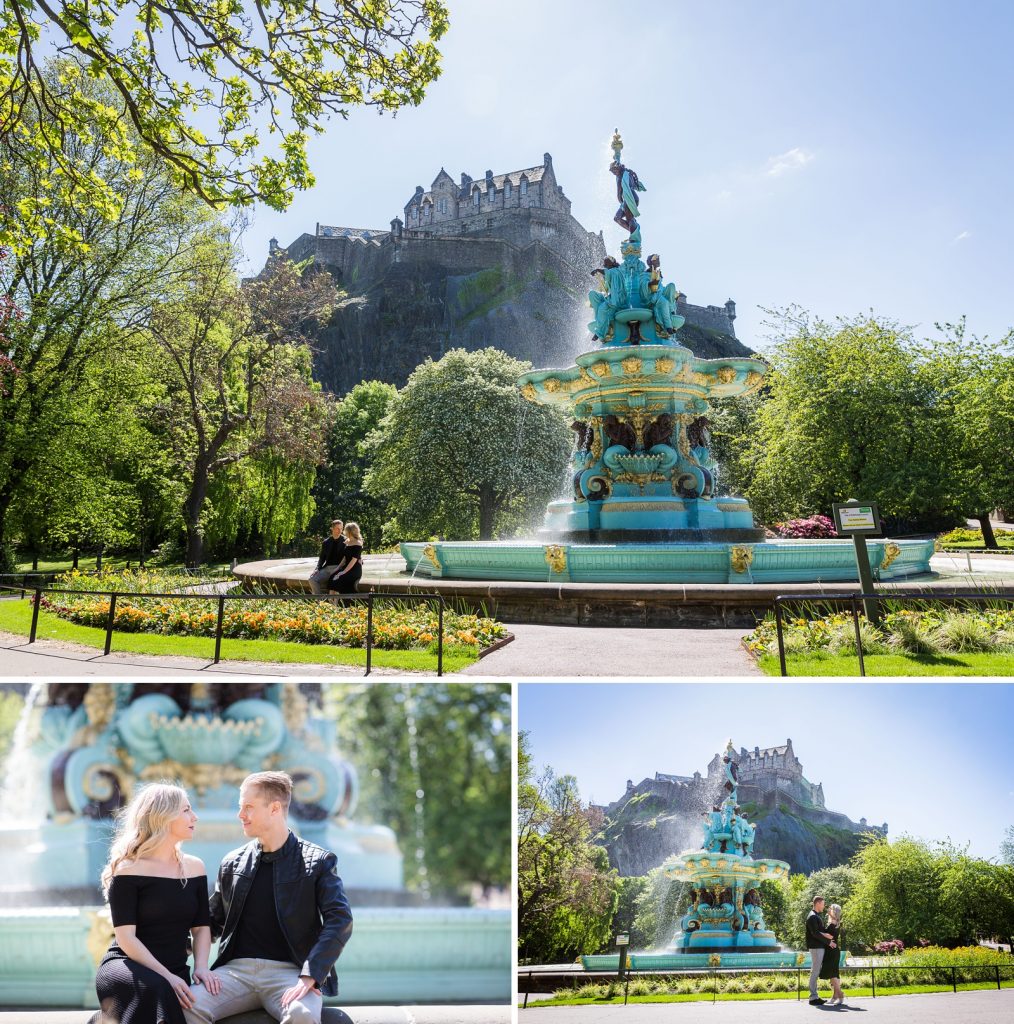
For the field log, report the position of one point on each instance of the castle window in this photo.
(476, 197)
(524, 186)
(507, 189)
(443, 206)
(492, 194)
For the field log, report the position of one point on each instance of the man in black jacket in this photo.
(331, 554)
(282, 915)
(816, 942)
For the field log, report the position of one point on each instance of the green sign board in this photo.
(853, 518)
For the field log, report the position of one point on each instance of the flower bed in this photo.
(931, 631)
(816, 527)
(409, 626)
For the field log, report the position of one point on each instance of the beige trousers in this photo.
(249, 984)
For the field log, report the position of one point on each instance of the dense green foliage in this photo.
(462, 454)
(913, 891)
(339, 491)
(440, 776)
(862, 409)
(267, 75)
(567, 894)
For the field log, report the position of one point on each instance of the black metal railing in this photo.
(954, 975)
(369, 599)
(854, 601)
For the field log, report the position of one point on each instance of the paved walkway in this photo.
(359, 1014)
(985, 1007)
(576, 651)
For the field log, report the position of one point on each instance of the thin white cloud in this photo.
(793, 160)
(961, 237)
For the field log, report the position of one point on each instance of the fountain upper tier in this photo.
(642, 467)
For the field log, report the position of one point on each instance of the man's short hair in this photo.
(337, 522)
(272, 786)
(816, 899)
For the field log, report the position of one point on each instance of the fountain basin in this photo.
(779, 561)
(696, 961)
(48, 956)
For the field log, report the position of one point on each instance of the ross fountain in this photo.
(644, 506)
(724, 925)
(80, 751)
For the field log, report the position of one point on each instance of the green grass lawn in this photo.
(16, 617)
(707, 996)
(86, 563)
(820, 663)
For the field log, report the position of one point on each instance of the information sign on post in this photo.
(859, 520)
(623, 940)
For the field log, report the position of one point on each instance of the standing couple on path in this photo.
(279, 907)
(822, 940)
(340, 563)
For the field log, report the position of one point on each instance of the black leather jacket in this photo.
(309, 898)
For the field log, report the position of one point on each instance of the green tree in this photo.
(338, 490)
(853, 410)
(835, 884)
(567, 894)
(267, 74)
(911, 890)
(462, 454)
(1007, 846)
(630, 890)
(434, 763)
(978, 378)
(237, 373)
(78, 306)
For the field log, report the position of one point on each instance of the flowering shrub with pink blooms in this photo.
(890, 946)
(815, 528)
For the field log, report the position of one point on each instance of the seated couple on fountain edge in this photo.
(278, 907)
(340, 563)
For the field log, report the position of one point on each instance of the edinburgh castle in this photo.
(497, 260)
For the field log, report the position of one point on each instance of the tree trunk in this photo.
(487, 509)
(192, 509)
(98, 559)
(987, 532)
(76, 554)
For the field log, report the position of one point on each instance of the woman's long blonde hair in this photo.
(143, 826)
(353, 533)
(834, 912)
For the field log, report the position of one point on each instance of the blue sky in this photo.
(840, 155)
(932, 760)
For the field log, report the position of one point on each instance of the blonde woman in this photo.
(158, 896)
(351, 569)
(830, 969)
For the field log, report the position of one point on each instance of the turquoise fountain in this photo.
(724, 924)
(81, 749)
(644, 506)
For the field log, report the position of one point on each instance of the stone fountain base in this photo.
(48, 956)
(697, 961)
(777, 561)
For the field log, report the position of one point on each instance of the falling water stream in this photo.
(420, 793)
(16, 794)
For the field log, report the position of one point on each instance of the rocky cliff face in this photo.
(647, 830)
(406, 303)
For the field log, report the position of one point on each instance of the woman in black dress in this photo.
(158, 898)
(351, 569)
(830, 969)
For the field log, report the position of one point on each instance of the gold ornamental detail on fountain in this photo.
(891, 552)
(430, 553)
(741, 557)
(556, 557)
